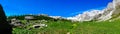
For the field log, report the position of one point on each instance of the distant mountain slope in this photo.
(38, 17)
(110, 12)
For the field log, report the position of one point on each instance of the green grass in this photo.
(63, 27)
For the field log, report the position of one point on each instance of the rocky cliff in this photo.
(111, 11)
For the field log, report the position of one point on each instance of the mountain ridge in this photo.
(111, 11)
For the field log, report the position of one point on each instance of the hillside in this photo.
(104, 21)
(40, 26)
(68, 27)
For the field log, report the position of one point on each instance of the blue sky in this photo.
(63, 8)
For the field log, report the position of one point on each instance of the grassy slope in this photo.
(63, 27)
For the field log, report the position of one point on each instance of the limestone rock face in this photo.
(117, 8)
(87, 16)
(107, 12)
(116, 3)
(110, 6)
(112, 10)
(5, 27)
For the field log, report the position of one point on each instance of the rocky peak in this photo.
(116, 3)
(116, 12)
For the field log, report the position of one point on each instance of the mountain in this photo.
(110, 12)
(37, 17)
(33, 17)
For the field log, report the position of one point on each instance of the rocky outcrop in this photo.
(107, 12)
(112, 10)
(5, 27)
(16, 22)
(116, 12)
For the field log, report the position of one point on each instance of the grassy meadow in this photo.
(67, 27)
